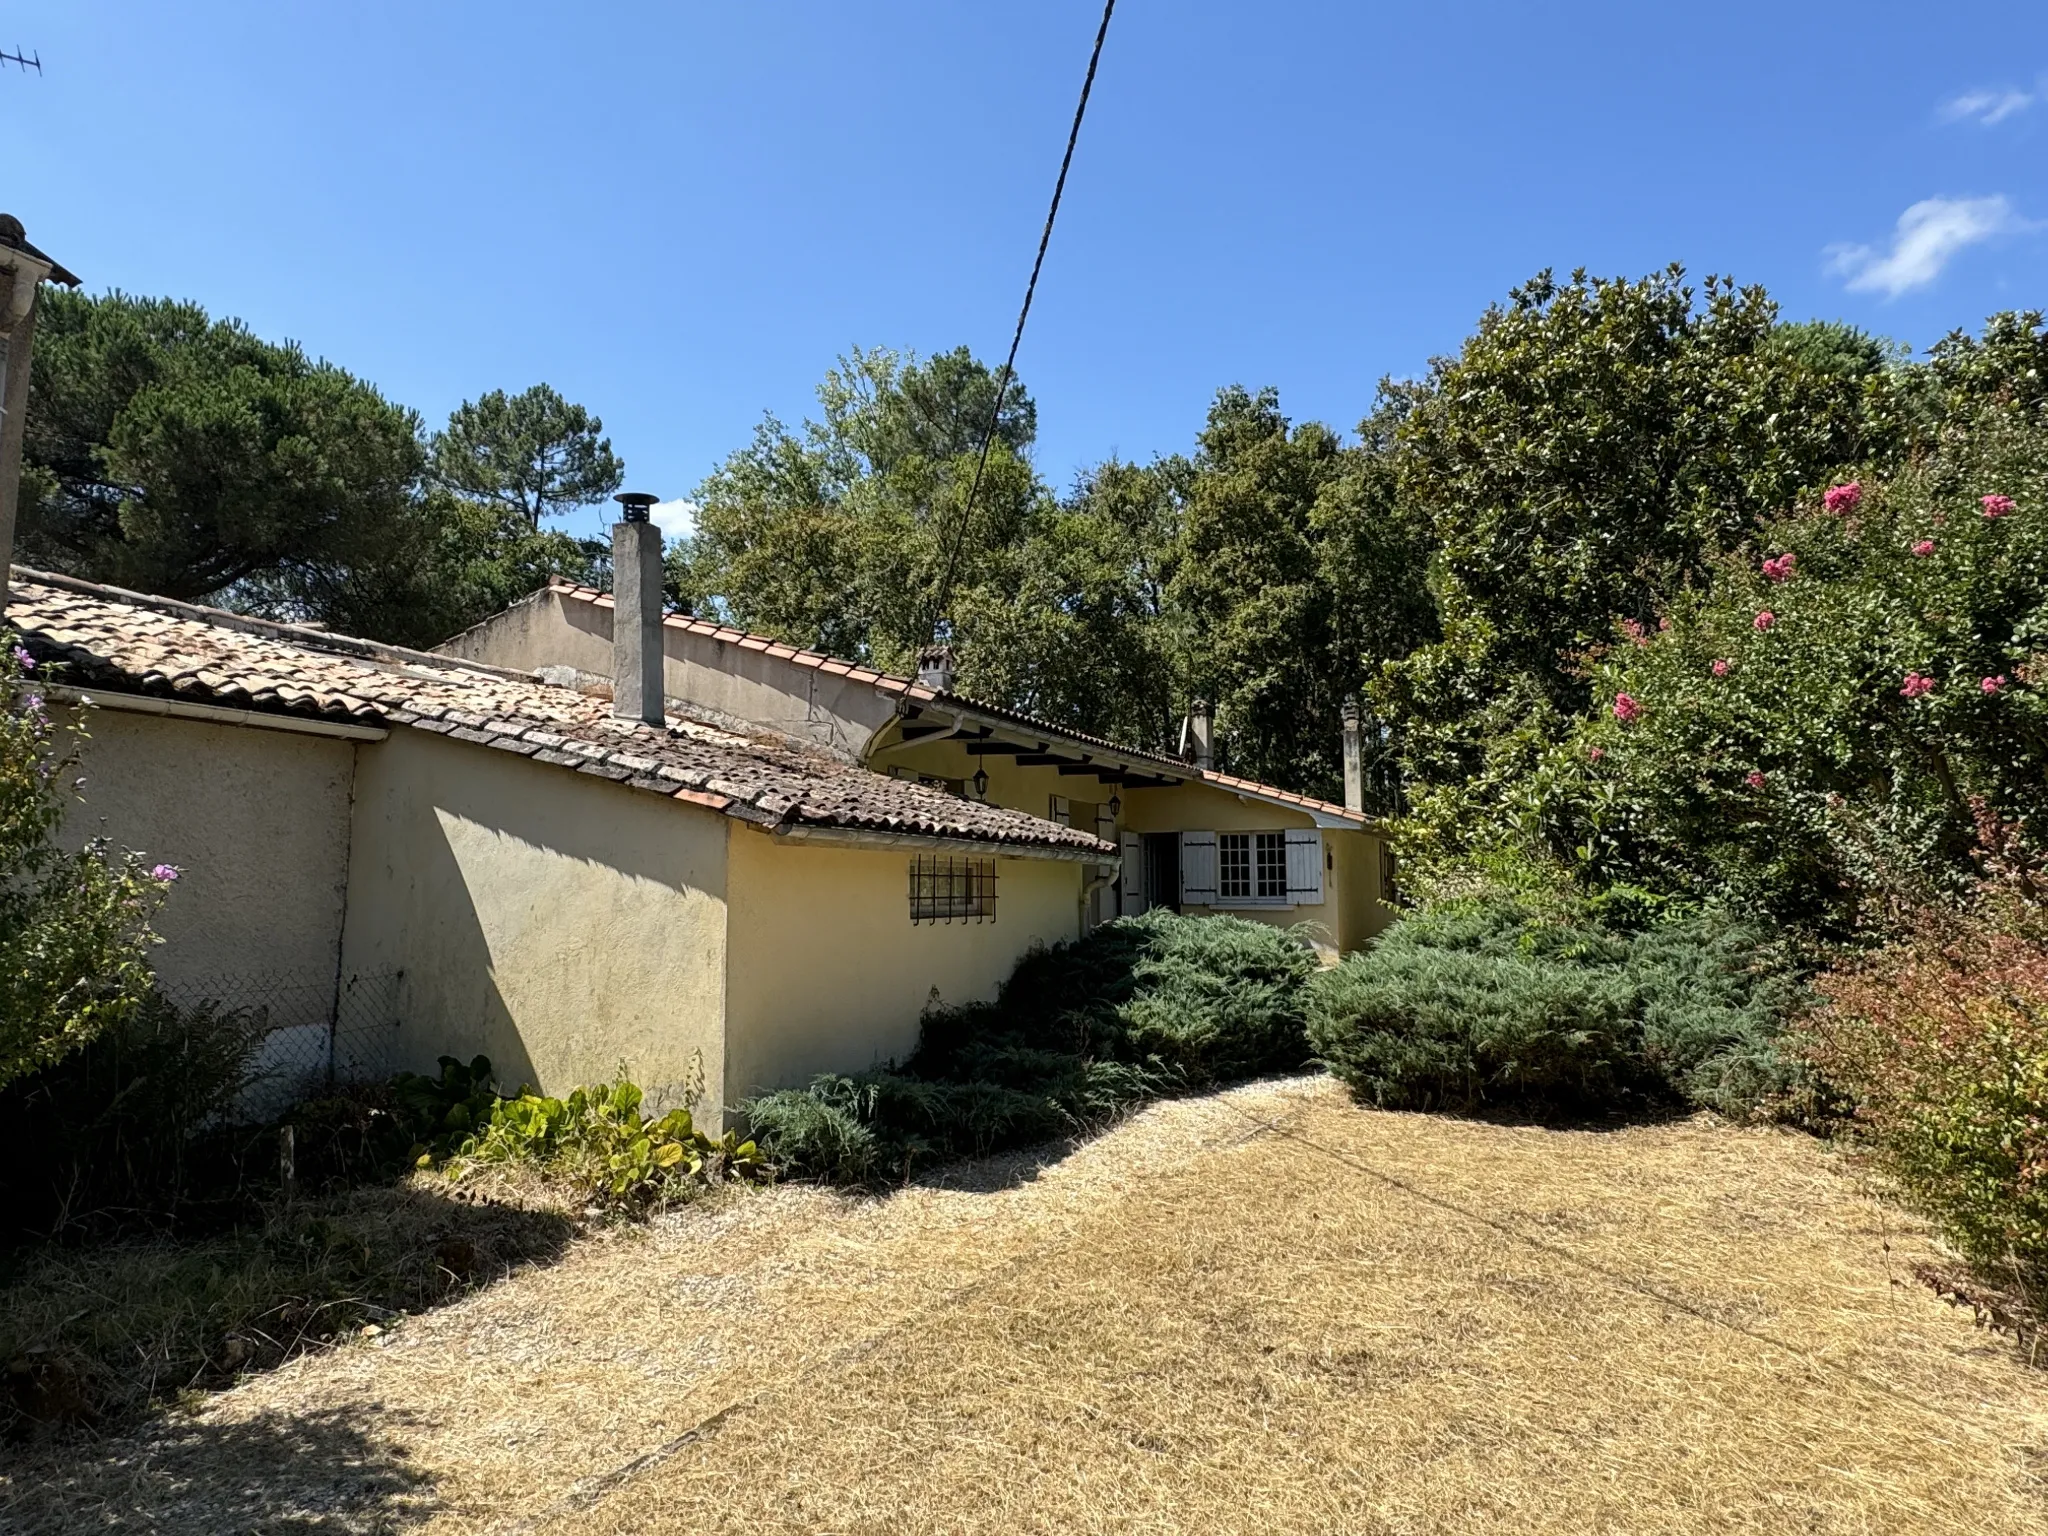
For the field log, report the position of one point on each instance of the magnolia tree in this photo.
(1821, 726)
(74, 924)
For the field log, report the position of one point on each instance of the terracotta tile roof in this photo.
(909, 688)
(131, 643)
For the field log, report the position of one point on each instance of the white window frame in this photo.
(1282, 868)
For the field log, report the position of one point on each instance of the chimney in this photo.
(1354, 756)
(1198, 735)
(935, 667)
(636, 613)
(23, 269)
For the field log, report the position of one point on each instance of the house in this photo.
(1188, 837)
(530, 870)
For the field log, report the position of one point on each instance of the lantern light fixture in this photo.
(981, 783)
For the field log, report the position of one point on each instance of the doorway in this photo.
(1162, 870)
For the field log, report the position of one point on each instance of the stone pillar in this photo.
(637, 660)
(1201, 734)
(1354, 756)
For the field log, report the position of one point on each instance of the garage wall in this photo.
(825, 971)
(558, 923)
(257, 820)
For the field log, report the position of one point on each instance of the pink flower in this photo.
(1720, 667)
(1596, 753)
(1916, 685)
(1993, 684)
(1842, 498)
(1780, 569)
(1996, 505)
(1764, 620)
(1924, 548)
(1754, 778)
(164, 873)
(1626, 708)
(1634, 630)
(22, 659)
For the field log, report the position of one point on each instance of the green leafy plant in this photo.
(598, 1140)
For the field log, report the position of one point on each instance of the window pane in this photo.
(1234, 858)
(1272, 871)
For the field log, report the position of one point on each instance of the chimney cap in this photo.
(637, 504)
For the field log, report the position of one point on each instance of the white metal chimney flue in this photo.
(636, 613)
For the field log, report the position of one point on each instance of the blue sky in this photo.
(679, 214)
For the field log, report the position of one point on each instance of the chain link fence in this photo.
(315, 1031)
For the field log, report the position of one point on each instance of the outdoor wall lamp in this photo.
(980, 783)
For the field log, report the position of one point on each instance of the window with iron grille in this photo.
(946, 889)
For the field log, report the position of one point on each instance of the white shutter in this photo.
(1061, 810)
(1131, 888)
(1105, 824)
(1304, 866)
(1198, 869)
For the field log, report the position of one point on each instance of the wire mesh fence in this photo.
(316, 1032)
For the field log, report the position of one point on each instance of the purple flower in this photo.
(165, 873)
(23, 659)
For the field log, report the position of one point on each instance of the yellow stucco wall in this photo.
(825, 971)
(560, 924)
(257, 820)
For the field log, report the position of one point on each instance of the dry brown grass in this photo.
(1269, 1311)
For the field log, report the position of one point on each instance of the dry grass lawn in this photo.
(1265, 1311)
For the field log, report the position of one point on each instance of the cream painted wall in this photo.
(551, 629)
(257, 820)
(825, 971)
(558, 923)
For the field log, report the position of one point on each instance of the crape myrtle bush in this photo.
(1940, 1038)
(74, 923)
(1521, 1000)
(1805, 736)
(1142, 1007)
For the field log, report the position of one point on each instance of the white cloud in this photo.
(676, 519)
(1929, 235)
(1986, 107)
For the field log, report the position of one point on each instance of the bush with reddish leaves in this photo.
(1940, 1040)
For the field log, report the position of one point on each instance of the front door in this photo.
(1162, 869)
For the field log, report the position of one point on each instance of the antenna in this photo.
(32, 61)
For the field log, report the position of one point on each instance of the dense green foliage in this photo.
(74, 922)
(599, 1142)
(1142, 1007)
(1501, 1001)
(173, 453)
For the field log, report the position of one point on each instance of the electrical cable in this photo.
(988, 436)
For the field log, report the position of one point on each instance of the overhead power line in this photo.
(988, 436)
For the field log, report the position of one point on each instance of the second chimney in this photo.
(636, 613)
(935, 668)
(1354, 756)
(1198, 740)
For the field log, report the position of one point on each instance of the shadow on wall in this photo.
(321, 1471)
(559, 924)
